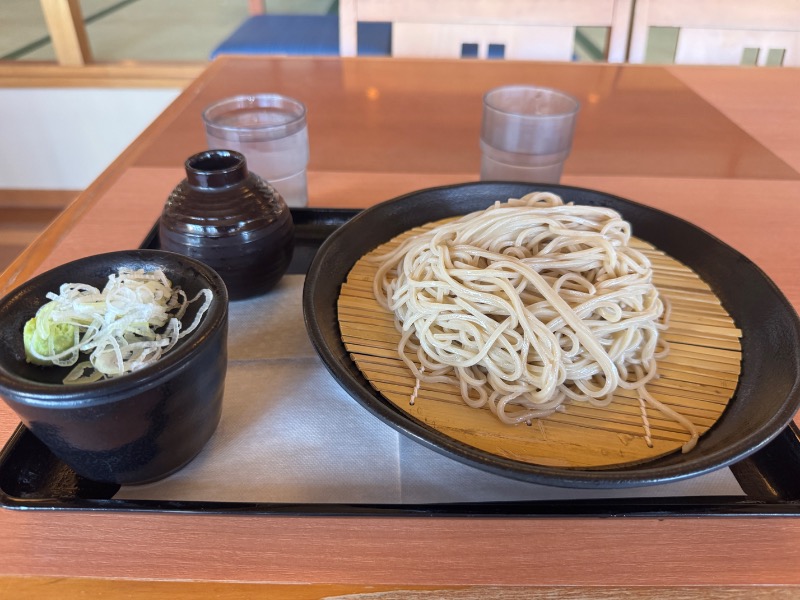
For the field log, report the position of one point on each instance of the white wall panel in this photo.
(63, 138)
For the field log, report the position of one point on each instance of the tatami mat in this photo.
(143, 30)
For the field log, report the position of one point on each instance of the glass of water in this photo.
(526, 133)
(271, 131)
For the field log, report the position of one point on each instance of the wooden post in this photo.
(65, 24)
(348, 27)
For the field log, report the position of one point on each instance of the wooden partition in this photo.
(719, 31)
(527, 29)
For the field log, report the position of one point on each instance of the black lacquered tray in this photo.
(32, 478)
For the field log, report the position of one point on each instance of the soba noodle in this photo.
(527, 305)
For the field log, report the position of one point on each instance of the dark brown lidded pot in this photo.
(230, 219)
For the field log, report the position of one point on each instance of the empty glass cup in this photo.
(526, 133)
(270, 130)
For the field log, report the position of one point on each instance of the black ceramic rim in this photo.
(770, 343)
(51, 395)
(215, 168)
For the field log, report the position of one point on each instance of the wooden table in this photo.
(717, 146)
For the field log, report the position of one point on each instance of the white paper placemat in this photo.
(290, 433)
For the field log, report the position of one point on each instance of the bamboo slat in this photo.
(697, 379)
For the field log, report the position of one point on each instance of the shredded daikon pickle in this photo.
(128, 325)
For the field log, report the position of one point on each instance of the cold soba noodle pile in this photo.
(527, 305)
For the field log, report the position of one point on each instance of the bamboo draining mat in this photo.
(697, 378)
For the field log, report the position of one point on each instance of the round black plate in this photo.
(764, 403)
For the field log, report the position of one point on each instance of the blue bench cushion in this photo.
(313, 35)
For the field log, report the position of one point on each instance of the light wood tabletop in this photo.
(717, 146)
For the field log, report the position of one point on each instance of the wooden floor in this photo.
(24, 214)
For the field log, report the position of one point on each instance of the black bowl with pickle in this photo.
(125, 417)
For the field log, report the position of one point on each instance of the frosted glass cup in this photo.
(526, 133)
(271, 131)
